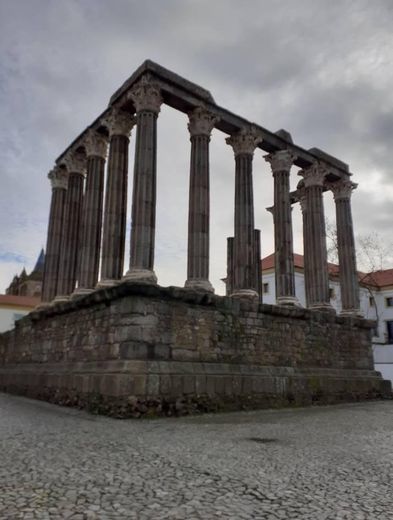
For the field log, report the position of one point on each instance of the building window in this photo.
(331, 293)
(389, 301)
(265, 288)
(389, 330)
(371, 301)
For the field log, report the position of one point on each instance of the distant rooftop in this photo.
(382, 278)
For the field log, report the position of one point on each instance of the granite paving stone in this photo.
(318, 463)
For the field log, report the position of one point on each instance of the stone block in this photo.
(133, 350)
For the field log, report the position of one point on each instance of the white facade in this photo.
(374, 303)
(9, 316)
(13, 307)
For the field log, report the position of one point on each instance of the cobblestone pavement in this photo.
(318, 463)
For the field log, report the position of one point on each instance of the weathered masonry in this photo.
(118, 339)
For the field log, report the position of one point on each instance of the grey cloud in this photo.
(320, 69)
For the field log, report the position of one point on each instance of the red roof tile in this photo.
(20, 301)
(381, 278)
(268, 263)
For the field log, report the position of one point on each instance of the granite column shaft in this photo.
(349, 284)
(200, 127)
(70, 242)
(58, 178)
(315, 235)
(96, 146)
(244, 279)
(281, 162)
(147, 100)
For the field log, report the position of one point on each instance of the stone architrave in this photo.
(281, 163)
(244, 283)
(119, 124)
(59, 182)
(96, 145)
(76, 166)
(201, 124)
(349, 284)
(146, 96)
(315, 236)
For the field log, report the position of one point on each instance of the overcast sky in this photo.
(322, 69)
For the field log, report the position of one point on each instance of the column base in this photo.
(41, 306)
(323, 307)
(81, 291)
(352, 313)
(199, 285)
(140, 276)
(60, 299)
(107, 282)
(288, 301)
(246, 294)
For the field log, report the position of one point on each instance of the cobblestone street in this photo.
(318, 463)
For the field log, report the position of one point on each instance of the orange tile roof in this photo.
(378, 278)
(381, 278)
(268, 263)
(20, 301)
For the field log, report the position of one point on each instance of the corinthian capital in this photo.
(244, 142)
(342, 189)
(281, 160)
(96, 144)
(58, 178)
(146, 95)
(201, 122)
(75, 162)
(119, 122)
(314, 175)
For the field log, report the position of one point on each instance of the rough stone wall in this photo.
(152, 342)
(179, 325)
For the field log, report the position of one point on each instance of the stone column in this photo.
(306, 246)
(281, 163)
(96, 148)
(257, 260)
(59, 180)
(147, 99)
(349, 285)
(76, 167)
(244, 144)
(230, 269)
(119, 124)
(315, 235)
(200, 126)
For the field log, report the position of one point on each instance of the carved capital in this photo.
(146, 95)
(119, 122)
(75, 162)
(244, 142)
(314, 175)
(58, 178)
(201, 122)
(280, 161)
(96, 144)
(342, 189)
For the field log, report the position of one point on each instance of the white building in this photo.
(376, 303)
(12, 308)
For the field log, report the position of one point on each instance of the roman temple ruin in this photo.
(113, 336)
